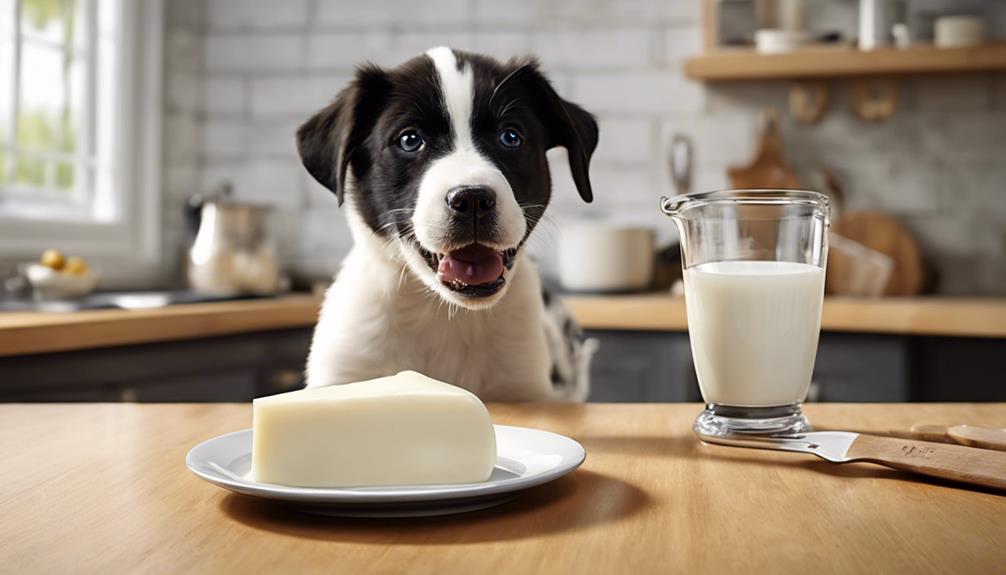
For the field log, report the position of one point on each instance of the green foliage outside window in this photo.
(41, 131)
(44, 130)
(40, 13)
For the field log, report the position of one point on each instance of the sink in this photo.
(121, 300)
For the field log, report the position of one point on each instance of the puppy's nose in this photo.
(471, 200)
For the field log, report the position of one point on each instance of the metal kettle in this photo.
(233, 252)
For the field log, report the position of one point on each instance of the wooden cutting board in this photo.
(884, 234)
(872, 229)
(769, 169)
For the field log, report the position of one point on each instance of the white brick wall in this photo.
(225, 96)
(297, 95)
(538, 12)
(254, 52)
(259, 15)
(343, 50)
(593, 48)
(243, 74)
(625, 141)
(184, 100)
(225, 139)
(648, 92)
(271, 137)
(269, 181)
(391, 13)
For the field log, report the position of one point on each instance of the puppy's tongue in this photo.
(472, 265)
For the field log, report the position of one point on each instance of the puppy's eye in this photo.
(511, 138)
(411, 141)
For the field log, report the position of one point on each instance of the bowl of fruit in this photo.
(56, 276)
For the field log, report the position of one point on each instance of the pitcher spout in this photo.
(671, 206)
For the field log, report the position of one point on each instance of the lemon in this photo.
(53, 259)
(75, 266)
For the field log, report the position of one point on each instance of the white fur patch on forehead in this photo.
(457, 86)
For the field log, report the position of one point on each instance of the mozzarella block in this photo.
(407, 429)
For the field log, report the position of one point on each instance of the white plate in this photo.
(524, 458)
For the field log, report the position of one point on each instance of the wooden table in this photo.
(103, 488)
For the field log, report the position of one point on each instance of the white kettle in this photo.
(233, 252)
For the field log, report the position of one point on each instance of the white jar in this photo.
(958, 31)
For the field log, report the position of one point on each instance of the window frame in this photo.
(133, 239)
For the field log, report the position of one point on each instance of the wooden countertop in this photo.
(35, 332)
(39, 332)
(103, 488)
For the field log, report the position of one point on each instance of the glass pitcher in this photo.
(754, 264)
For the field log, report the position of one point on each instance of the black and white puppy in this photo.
(441, 164)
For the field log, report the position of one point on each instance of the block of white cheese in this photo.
(407, 429)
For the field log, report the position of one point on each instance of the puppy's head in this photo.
(443, 157)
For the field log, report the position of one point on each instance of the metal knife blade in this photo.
(972, 465)
(830, 445)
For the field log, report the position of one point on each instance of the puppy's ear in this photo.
(566, 125)
(332, 139)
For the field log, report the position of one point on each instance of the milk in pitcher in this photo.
(754, 328)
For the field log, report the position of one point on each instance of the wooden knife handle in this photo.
(954, 462)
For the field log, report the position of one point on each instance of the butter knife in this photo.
(946, 461)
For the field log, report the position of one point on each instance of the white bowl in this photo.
(773, 41)
(52, 284)
(599, 257)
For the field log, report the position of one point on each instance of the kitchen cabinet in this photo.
(657, 366)
(861, 367)
(958, 369)
(637, 366)
(629, 366)
(229, 368)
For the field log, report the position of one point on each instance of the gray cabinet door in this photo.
(958, 369)
(657, 366)
(228, 368)
(861, 368)
(642, 366)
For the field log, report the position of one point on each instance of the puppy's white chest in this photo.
(363, 333)
(492, 355)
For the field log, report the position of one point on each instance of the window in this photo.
(79, 111)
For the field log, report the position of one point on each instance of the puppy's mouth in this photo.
(475, 270)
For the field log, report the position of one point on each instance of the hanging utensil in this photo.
(680, 160)
(769, 168)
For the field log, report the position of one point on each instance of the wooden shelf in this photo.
(827, 62)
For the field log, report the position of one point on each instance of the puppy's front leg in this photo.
(348, 343)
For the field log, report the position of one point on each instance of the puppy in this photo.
(441, 165)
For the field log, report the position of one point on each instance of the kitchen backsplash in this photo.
(242, 74)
